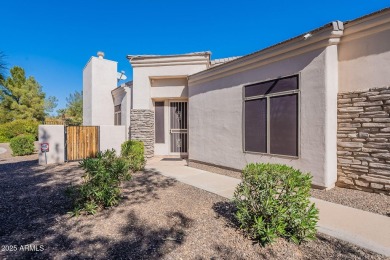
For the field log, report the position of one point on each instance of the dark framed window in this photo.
(118, 115)
(159, 122)
(271, 120)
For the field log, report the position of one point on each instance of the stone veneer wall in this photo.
(142, 128)
(363, 134)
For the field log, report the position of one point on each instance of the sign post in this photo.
(45, 149)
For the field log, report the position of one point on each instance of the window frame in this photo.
(268, 97)
(163, 117)
(118, 115)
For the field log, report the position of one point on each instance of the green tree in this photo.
(23, 98)
(74, 108)
(50, 104)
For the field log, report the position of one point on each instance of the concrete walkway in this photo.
(365, 229)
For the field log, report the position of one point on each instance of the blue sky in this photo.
(53, 40)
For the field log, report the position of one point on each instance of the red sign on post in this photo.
(44, 147)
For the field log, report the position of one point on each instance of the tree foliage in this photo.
(23, 98)
(74, 108)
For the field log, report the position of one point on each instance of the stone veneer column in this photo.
(363, 147)
(142, 129)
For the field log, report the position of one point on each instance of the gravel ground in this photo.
(6, 157)
(372, 202)
(157, 218)
(215, 169)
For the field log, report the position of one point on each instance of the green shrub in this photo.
(22, 145)
(18, 127)
(100, 188)
(133, 151)
(273, 201)
(3, 139)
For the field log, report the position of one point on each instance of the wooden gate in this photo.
(81, 142)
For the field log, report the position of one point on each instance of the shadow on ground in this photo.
(34, 211)
(144, 186)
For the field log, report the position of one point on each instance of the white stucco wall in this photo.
(169, 88)
(54, 135)
(112, 137)
(142, 84)
(164, 78)
(364, 61)
(216, 119)
(99, 78)
(87, 94)
(122, 96)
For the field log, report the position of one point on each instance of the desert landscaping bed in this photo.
(157, 218)
(372, 202)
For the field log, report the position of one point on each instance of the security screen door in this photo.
(178, 124)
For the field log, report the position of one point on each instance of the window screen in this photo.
(284, 125)
(256, 125)
(272, 86)
(271, 116)
(159, 122)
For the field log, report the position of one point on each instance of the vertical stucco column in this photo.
(99, 79)
(330, 127)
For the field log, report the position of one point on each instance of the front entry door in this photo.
(178, 124)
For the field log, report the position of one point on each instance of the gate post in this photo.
(66, 143)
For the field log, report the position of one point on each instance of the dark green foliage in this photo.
(273, 201)
(103, 176)
(22, 97)
(22, 145)
(18, 127)
(134, 152)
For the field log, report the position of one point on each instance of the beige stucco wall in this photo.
(99, 78)
(216, 112)
(53, 135)
(364, 55)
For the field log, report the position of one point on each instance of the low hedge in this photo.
(18, 127)
(273, 201)
(22, 145)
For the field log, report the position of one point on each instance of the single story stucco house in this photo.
(319, 102)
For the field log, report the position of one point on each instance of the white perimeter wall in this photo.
(111, 137)
(55, 137)
(216, 119)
